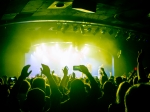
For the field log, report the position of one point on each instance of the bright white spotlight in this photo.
(43, 46)
(32, 56)
(76, 49)
(45, 60)
(85, 50)
(70, 48)
(56, 51)
(56, 45)
(38, 51)
(65, 58)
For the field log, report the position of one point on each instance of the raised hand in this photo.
(84, 69)
(73, 75)
(53, 72)
(65, 71)
(45, 70)
(102, 68)
(24, 72)
(140, 56)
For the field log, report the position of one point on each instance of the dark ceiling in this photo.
(122, 13)
(127, 16)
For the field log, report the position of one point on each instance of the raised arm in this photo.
(54, 88)
(14, 104)
(140, 69)
(24, 74)
(64, 79)
(132, 75)
(103, 71)
(56, 94)
(93, 83)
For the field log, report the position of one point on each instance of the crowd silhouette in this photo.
(71, 94)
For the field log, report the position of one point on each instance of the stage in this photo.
(59, 54)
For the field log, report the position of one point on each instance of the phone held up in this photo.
(12, 78)
(77, 68)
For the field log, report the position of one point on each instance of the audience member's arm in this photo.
(53, 85)
(132, 75)
(56, 94)
(14, 104)
(103, 71)
(64, 79)
(140, 69)
(24, 74)
(93, 83)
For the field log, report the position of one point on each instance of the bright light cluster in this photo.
(43, 52)
(57, 57)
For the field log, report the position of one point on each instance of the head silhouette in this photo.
(108, 88)
(135, 80)
(35, 100)
(137, 98)
(77, 89)
(123, 87)
(25, 86)
(118, 80)
(39, 82)
(1, 81)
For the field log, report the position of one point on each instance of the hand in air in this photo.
(73, 75)
(53, 72)
(45, 70)
(24, 72)
(102, 69)
(140, 56)
(84, 69)
(65, 71)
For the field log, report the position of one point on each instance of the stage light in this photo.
(75, 55)
(111, 31)
(127, 38)
(56, 45)
(32, 55)
(85, 50)
(75, 28)
(70, 47)
(38, 51)
(88, 6)
(130, 36)
(43, 47)
(59, 26)
(96, 31)
(117, 34)
(119, 54)
(65, 27)
(82, 29)
(102, 31)
(45, 59)
(76, 49)
(89, 29)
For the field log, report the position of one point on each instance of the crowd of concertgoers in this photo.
(71, 94)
